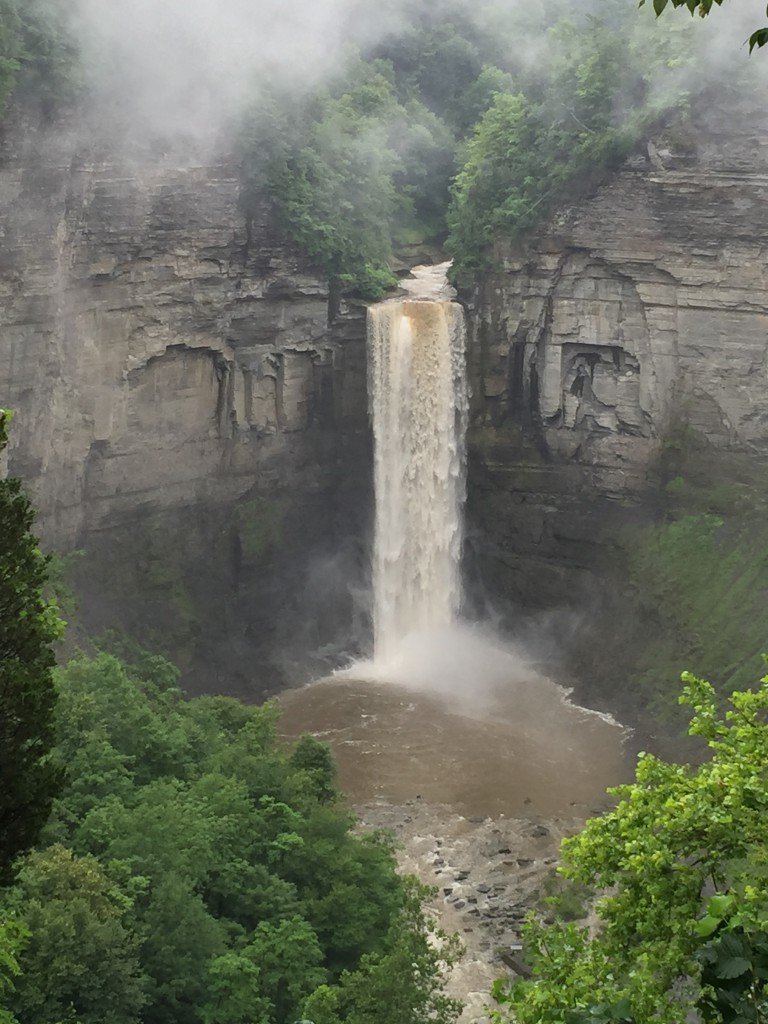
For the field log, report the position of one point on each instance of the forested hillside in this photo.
(193, 871)
(450, 131)
(451, 128)
(38, 54)
(166, 860)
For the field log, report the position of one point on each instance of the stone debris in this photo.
(512, 858)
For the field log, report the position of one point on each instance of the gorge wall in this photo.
(620, 357)
(190, 413)
(191, 402)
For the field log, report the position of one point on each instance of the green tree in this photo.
(37, 53)
(404, 981)
(290, 962)
(29, 627)
(348, 893)
(704, 7)
(181, 938)
(233, 992)
(81, 956)
(200, 847)
(315, 761)
(12, 938)
(334, 191)
(480, 94)
(498, 185)
(665, 944)
(536, 147)
(210, 868)
(10, 48)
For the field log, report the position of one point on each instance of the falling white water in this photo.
(418, 397)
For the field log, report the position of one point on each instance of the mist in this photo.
(192, 67)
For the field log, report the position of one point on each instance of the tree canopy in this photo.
(195, 872)
(29, 626)
(682, 862)
(444, 131)
(38, 56)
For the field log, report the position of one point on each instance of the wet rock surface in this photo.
(190, 401)
(620, 350)
(489, 874)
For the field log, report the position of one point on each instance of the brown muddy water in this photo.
(479, 766)
(519, 749)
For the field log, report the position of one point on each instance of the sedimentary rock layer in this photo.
(636, 316)
(187, 410)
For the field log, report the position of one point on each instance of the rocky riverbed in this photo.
(489, 872)
(478, 791)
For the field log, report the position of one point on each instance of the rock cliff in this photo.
(634, 325)
(190, 413)
(191, 405)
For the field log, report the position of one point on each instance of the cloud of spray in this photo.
(471, 669)
(462, 718)
(332, 623)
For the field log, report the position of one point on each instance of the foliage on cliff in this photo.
(330, 166)
(608, 79)
(37, 52)
(194, 872)
(353, 171)
(12, 936)
(520, 106)
(702, 577)
(29, 626)
(699, 575)
(682, 860)
(448, 129)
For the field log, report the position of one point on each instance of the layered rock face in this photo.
(188, 413)
(636, 316)
(191, 405)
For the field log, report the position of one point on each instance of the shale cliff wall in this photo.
(191, 405)
(189, 414)
(629, 333)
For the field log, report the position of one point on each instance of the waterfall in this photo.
(418, 401)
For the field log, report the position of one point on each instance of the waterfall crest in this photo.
(418, 402)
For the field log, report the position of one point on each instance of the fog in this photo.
(192, 66)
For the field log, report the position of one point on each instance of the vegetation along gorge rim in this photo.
(407, 362)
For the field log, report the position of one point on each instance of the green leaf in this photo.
(659, 5)
(720, 904)
(622, 1011)
(733, 967)
(707, 925)
(733, 946)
